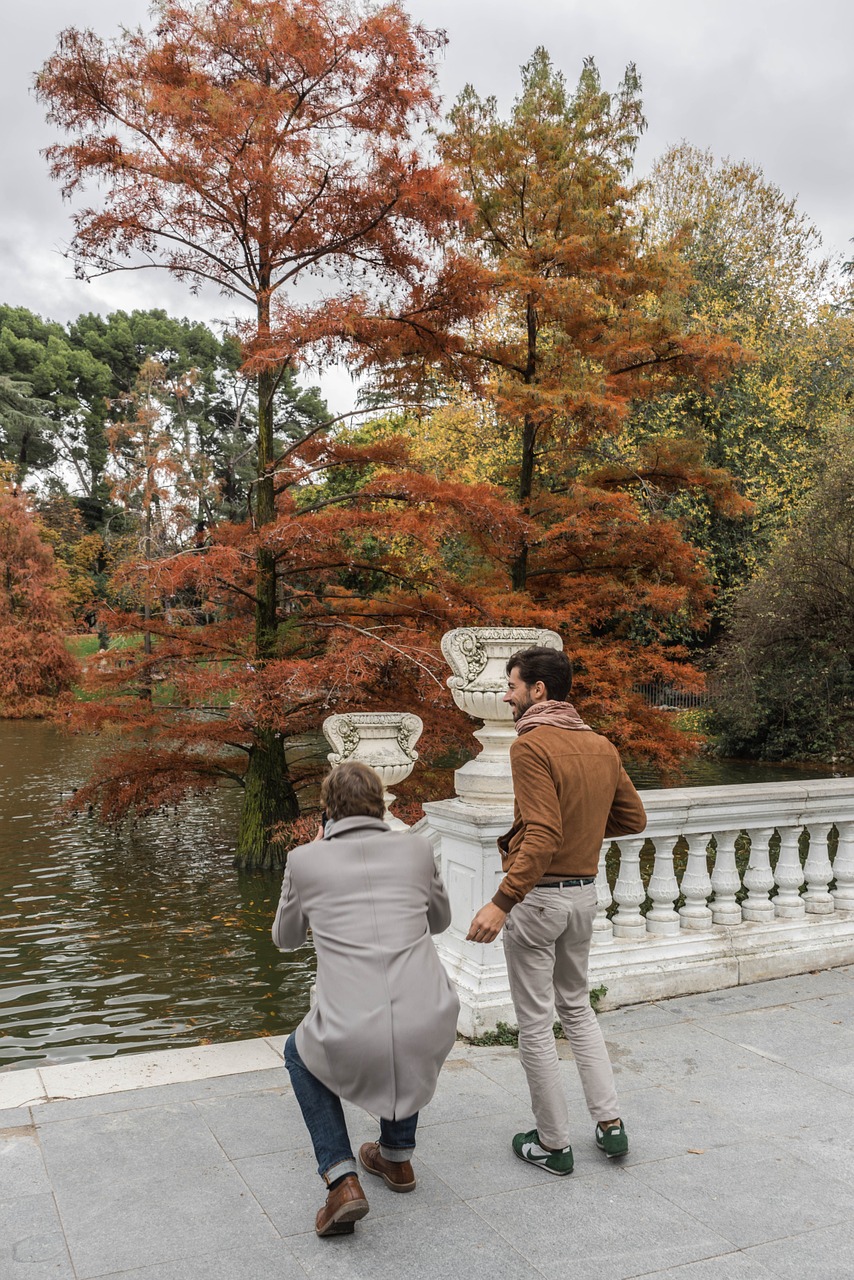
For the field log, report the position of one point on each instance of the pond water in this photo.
(149, 938)
(708, 771)
(146, 939)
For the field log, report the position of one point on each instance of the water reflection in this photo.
(112, 943)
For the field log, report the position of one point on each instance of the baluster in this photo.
(725, 881)
(789, 876)
(696, 885)
(843, 867)
(602, 930)
(759, 878)
(629, 892)
(818, 873)
(663, 890)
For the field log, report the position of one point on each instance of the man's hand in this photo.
(487, 924)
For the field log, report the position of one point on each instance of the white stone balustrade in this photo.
(715, 891)
(843, 868)
(742, 922)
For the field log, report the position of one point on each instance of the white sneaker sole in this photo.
(537, 1164)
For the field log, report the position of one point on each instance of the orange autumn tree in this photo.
(365, 590)
(35, 665)
(586, 322)
(274, 149)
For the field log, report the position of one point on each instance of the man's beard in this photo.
(519, 711)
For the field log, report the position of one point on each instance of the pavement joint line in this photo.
(71, 1262)
(663, 1271)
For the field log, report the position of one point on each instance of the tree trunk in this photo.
(519, 567)
(269, 796)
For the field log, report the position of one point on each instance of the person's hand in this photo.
(487, 924)
(319, 835)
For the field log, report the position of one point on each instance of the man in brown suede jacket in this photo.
(571, 793)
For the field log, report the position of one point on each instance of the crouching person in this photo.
(385, 1017)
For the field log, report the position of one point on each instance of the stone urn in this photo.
(478, 658)
(385, 740)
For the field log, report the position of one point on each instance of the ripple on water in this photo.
(115, 943)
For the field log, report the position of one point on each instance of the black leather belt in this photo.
(561, 884)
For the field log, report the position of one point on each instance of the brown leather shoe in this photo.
(345, 1205)
(395, 1174)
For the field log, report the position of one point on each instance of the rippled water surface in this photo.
(148, 938)
(143, 939)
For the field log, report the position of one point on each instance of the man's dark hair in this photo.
(352, 790)
(552, 666)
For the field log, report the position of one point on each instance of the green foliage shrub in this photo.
(785, 677)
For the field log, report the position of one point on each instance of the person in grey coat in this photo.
(385, 1016)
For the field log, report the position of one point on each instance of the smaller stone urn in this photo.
(478, 658)
(385, 740)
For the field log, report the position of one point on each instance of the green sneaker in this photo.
(613, 1140)
(527, 1147)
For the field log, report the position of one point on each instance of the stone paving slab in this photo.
(729, 1266)
(210, 1176)
(270, 1261)
(750, 1194)
(825, 1254)
(419, 1245)
(761, 995)
(157, 1188)
(600, 1227)
(32, 1243)
(813, 1043)
(22, 1171)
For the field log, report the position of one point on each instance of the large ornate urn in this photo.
(385, 740)
(478, 658)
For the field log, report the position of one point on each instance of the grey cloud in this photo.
(763, 80)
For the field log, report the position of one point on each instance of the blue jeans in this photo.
(324, 1118)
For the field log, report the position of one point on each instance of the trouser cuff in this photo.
(339, 1170)
(397, 1155)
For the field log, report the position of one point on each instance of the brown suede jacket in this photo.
(571, 794)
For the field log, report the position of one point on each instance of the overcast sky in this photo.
(769, 81)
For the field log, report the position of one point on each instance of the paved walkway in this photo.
(739, 1106)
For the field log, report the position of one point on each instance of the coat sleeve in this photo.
(627, 816)
(290, 926)
(438, 902)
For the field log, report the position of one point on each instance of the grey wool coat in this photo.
(386, 1012)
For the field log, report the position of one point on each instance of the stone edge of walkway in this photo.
(63, 1081)
(23, 1088)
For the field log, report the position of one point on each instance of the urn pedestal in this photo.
(464, 830)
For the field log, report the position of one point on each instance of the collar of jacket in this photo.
(343, 826)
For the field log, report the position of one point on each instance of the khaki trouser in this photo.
(547, 945)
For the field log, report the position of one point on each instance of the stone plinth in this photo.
(465, 838)
(464, 830)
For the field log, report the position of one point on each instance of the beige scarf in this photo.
(553, 714)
